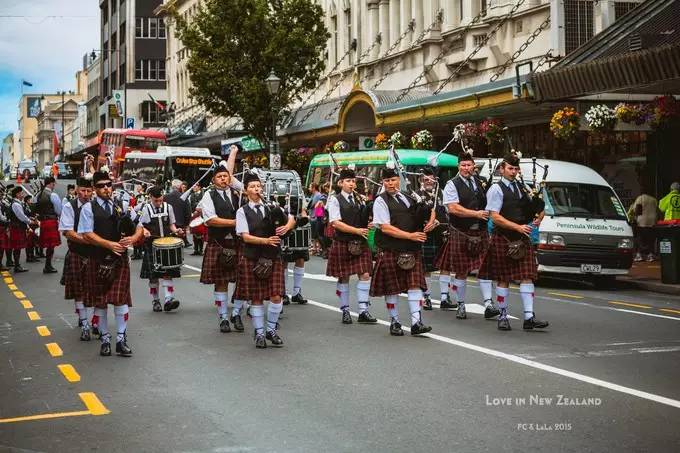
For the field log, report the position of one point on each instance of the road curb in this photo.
(653, 286)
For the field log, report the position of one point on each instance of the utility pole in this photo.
(63, 126)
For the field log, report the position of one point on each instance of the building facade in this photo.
(92, 64)
(56, 112)
(7, 154)
(132, 68)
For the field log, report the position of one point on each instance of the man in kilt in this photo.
(260, 267)
(349, 253)
(219, 206)
(158, 220)
(75, 285)
(468, 241)
(399, 264)
(19, 225)
(106, 226)
(48, 208)
(512, 214)
(4, 238)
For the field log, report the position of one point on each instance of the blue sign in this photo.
(129, 123)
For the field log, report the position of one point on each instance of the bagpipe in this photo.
(365, 205)
(425, 205)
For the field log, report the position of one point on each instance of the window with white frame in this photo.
(151, 112)
(150, 27)
(150, 70)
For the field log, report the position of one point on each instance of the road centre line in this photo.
(626, 304)
(8, 280)
(43, 331)
(669, 310)
(570, 296)
(530, 363)
(33, 315)
(26, 303)
(19, 295)
(54, 349)
(12, 287)
(69, 372)
(93, 407)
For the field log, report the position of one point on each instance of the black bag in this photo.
(263, 268)
(355, 247)
(517, 250)
(106, 270)
(406, 261)
(473, 245)
(227, 258)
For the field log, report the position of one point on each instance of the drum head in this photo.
(167, 242)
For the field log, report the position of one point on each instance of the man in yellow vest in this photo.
(670, 204)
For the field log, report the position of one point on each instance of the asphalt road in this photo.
(612, 355)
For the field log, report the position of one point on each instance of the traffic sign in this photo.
(129, 123)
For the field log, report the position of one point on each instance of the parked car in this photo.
(28, 169)
(47, 170)
(64, 170)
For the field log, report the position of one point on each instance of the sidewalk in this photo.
(647, 276)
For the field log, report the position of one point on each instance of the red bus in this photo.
(114, 144)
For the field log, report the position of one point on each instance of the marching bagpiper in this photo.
(4, 239)
(19, 224)
(349, 253)
(75, 285)
(260, 268)
(468, 241)
(48, 207)
(399, 266)
(511, 256)
(158, 220)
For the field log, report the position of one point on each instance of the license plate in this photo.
(591, 268)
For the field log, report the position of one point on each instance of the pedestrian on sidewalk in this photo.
(670, 204)
(643, 214)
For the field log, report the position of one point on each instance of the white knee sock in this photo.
(101, 314)
(342, 290)
(298, 273)
(153, 290)
(122, 314)
(82, 315)
(415, 296)
(168, 288)
(502, 297)
(392, 303)
(238, 306)
(486, 287)
(526, 291)
(221, 303)
(273, 313)
(363, 288)
(460, 290)
(444, 281)
(257, 315)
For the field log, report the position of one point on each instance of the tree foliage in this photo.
(234, 45)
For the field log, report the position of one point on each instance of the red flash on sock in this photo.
(171, 288)
(218, 303)
(500, 298)
(389, 306)
(153, 291)
(337, 292)
(95, 320)
(421, 302)
(126, 316)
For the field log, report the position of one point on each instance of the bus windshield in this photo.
(147, 170)
(582, 200)
(190, 168)
(133, 143)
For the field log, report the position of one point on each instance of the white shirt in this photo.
(333, 205)
(451, 193)
(149, 213)
(381, 213)
(242, 222)
(18, 210)
(86, 222)
(67, 219)
(494, 197)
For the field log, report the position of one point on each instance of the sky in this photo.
(45, 51)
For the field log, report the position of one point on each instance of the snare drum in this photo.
(298, 240)
(167, 253)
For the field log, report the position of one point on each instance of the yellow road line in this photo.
(44, 416)
(629, 305)
(43, 331)
(94, 406)
(12, 287)
(33, 315)
(8, 280)
(19, 295)
(54, 349)
(670, 310)
(26, 303)
(570, 296)
(5, 274)
(69, 372)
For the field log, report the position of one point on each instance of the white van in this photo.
(585, 229)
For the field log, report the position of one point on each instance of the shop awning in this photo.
(249, 143)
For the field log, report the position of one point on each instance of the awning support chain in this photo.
(520, 50)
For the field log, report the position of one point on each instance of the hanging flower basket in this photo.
(471, 130)
(601, 118)
(565, 123)
(341, 147)
(381, 141)
(491, 130)
(632, 113)
(397, 139)
(422, 140)
(663, 110)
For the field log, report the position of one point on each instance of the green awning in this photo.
(250, 144)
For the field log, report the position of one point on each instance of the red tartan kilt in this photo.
(249, 287)
(211, 272)
(200, 230)
(116, 293)
(498, 267)
(75, 281)
(454, 258)
(49, 234)
(18, 238)
(342, 264)
(389, 279)
(4, 239)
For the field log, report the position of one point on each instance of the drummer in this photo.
(158, 220)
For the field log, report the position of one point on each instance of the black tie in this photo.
(515, 190)
(400, 201)
(107, 208)
(469, 184)
(258, 212)
(351, 200)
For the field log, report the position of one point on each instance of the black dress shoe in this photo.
(95, 331)
(427, 303)
(49, 270)
(366, 318)
(491, 311)
(260, 342)
(224, 326)
(346, 317)
(533, 323)
(238, 324)
(461, 313)
(448, 304)
(105, 349)
(419, 328)
(157, 306)
(285, 300)
(504, 324)
(85, 335)
(122, 348)
(396, 330)
(275, 339)
(299, 299)
(18, 269)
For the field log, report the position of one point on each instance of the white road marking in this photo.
(63, 318)
(659, 349)
(530, 363)
(197, 269)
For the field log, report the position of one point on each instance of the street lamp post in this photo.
(273, 85)
(61, 147)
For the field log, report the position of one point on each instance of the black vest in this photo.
(263, 228)
(224, 210)
(350, 215)
(80, 249)
(514, 209)
(153, 226)
(13, 219)
(106, 226)
(469, 199)
(400, 217)
(44, 207)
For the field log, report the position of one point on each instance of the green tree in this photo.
(235, 44)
